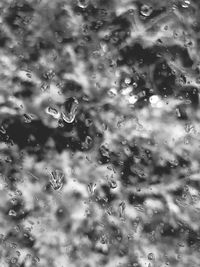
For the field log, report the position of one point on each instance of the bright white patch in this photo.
(155, 101)
(133, 99)
(126, 91)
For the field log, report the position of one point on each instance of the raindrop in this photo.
(178, 112)
(146, 10)
(135, 85)
(113, 184)
(112, 92)
(69, 109)
(131, 11)
(189, 128)
(60, 123)
(53, 112)
(28, 75)
(49, 75)
(56, 179)
(122, 207)
(181, 244)
(88, 122)
(2, 129)
(13, 260)
(12, 213)
(44, 87)
(127, 80)
(28, 118)
(186, 4)
(181, 80)
(91, 188)
(151, 256)
(166, 27)
(104, 151)
(17, 228)
(83, 3)
(88, 142)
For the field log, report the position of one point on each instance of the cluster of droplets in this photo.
(67, 112)
(186, 3)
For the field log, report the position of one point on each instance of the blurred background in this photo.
(99, 133)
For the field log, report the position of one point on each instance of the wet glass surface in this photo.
(99, 133)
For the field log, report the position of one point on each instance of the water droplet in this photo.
(151, 256)
(88, 122)
(67, 118)
(49, 75)
(28, 118)
(113, 184)
(13, 260)
(127, 80)
(131, 11)
(122, 206)
(104, 151)
(135, 85)
(12, 213)
(186, 4)
(44, 87)
(178, 113)
(28, 75)
(2, 129)
(120, 121)
(112, 92)
(83, 3)
(60, 123)
(91, 188)
(69, 109)
(53, 112)
(146, 10)
(56, 179)
(189, 128)
(85, 98)
(17, 228)
(88, 142)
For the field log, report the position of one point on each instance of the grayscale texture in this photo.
(99, 133)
